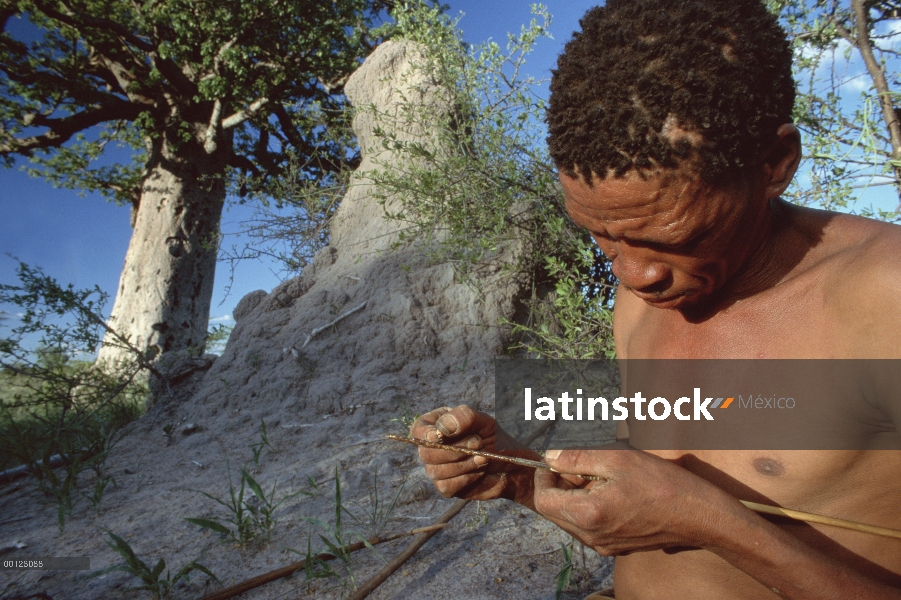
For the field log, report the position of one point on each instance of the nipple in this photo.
(769, 467)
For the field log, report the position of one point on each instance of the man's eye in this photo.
(671, 247)
(683, 247)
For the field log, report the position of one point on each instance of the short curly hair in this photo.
(651, 84)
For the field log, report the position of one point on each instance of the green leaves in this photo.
(847, 134)
(564, 576)
(479, 184)
(257, 447)
(375, 517)
(334, 540)
(161, 70)
(249, 516)
(209, 524)
(151, 580)
(56, 410)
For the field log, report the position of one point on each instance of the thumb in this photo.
(583, 462)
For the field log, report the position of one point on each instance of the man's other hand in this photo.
(471, 477)
(645, 503)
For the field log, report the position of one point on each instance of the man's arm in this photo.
(648, 503)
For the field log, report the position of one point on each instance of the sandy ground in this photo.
(490, 550)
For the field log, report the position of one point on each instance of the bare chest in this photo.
(794, 322)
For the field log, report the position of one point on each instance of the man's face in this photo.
(673, 239)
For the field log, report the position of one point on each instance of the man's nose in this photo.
(641, 274)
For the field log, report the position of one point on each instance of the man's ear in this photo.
(782, 162)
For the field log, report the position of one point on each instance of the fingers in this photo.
(446, 425)
(600, 463)
(432, 456)
(464, 419)
(449, 470)
(453, 473)
(425, 424)
(475, 486)
(452, 487)
(549, 480)
(456, 474)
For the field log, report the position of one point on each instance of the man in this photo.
(670, 126)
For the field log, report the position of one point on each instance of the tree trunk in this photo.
(166, 287)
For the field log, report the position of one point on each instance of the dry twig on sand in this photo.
(411, 549)
(319, 330)
(249, 584)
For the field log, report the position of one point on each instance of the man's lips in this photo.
(657, 299)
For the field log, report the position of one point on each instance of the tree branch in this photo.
(284, 120)
(334, 85)
(174, 75)
(846, 35)
(82, 94)
(61, 130)
(242, 163)
(80, 20)
(209, 136)
(877, 74)
(124, 78)
(217, 62)
(295, 139)
(242, 115)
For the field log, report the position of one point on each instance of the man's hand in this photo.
(646, 502)
(472, 477)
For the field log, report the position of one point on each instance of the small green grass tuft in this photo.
(564, 576)
(152, 580)
(251, 515)
(263, 443)
(378, 513)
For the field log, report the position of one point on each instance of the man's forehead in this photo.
(641, 193)
(658, 208)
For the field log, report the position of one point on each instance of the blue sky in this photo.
(83, 240)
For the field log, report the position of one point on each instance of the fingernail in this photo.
(480, 460)
(434, 436)
(473, 442)
(447, 424)
(552, 454)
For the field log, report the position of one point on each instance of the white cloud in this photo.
(836, 53)
(859, 83)
(889, 27)
(222, 319)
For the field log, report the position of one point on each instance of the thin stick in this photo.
(411, 549)
(822, 519)
(523, 462)
(760, 508)
(319, 330)
(249, 584)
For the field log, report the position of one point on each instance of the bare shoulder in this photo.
(864, 284)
